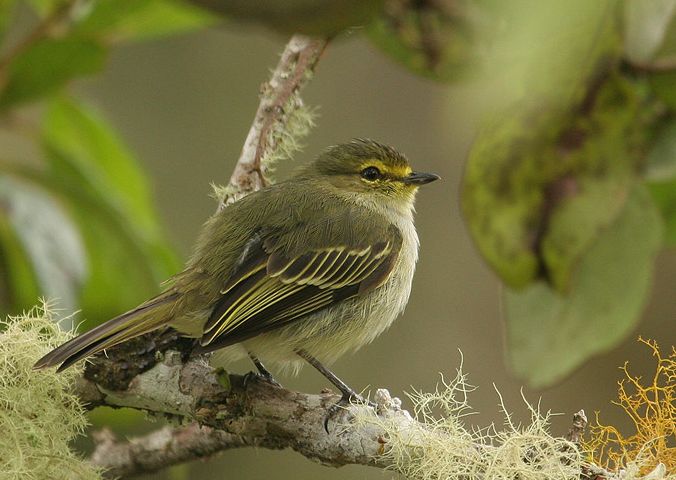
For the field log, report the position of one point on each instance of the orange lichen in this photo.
(652, 410)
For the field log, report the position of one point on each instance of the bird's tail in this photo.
(145, 318)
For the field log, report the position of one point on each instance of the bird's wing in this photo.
(270, 290)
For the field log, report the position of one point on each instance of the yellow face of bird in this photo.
(365, 166)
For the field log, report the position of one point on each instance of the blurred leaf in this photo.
(581, 214)
(540, 186)
(45, 7)
(6, 14)
(128, 252)
(508, 45)
(664, 195)
(48, 238)
(123, 272)
(664, 86)
(661, 161)
(549, 334)
(47, 66)
(311, 17)
(645, 27)
(440, 40)
(142, 19)
(660, 172)
(18, 285)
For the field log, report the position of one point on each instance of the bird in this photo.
(304, 270)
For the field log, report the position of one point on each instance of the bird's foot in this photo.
(345, 401)
(267, 377)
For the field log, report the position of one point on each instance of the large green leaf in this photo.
(48, 65)
(18, 285)
(433, 39)
(311, 17)
(110, 198)
(664, 194)
(660, 172)
(540, 186)
(549, 334)
(509, 46)
(121, 272)
(660, 164)
(91, 156)
(48, 238)
(6, 10)
(142, 19)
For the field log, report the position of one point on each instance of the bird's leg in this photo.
(263, 372)
(348, 394)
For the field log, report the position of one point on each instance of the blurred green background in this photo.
(183, 105)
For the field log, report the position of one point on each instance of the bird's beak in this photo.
(420, 178)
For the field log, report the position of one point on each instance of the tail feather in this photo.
(142, 319)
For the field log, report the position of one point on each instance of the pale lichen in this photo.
(39, 416)
(442, 446)
(287, 141)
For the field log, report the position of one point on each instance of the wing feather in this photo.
(270, 290)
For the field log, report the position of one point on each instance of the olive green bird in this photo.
(307, 269)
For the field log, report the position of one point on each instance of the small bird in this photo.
(307, 269)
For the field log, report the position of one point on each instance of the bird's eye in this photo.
(371, 174)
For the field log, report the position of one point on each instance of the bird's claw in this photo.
(345, 401)
(260, 377)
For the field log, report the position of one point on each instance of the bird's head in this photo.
(367, 167)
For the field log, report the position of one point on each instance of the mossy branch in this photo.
(280, 122)
(216, 411)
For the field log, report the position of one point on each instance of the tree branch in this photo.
(292, 72)
(160, 449)
(236, 413)
(220, 412)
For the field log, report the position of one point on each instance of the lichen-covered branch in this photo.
(236, 413)
(278, 105)
(158, 450)
(218, 412)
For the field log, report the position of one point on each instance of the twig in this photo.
(159, 449)
(577, 428)
(292, 72)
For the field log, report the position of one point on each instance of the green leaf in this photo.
(142, 19)
(664, 86)
(549, 334)
(6, 14)
(660, 165)
(121, 272)
(110, 198)
(49, 239)
(310, 17)
(92, 157)
(660, 173)
(576, 222)
(664, 195)
(540, 186)
(429, 41)
(646, 24)
(18, 284)
(47, 66)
